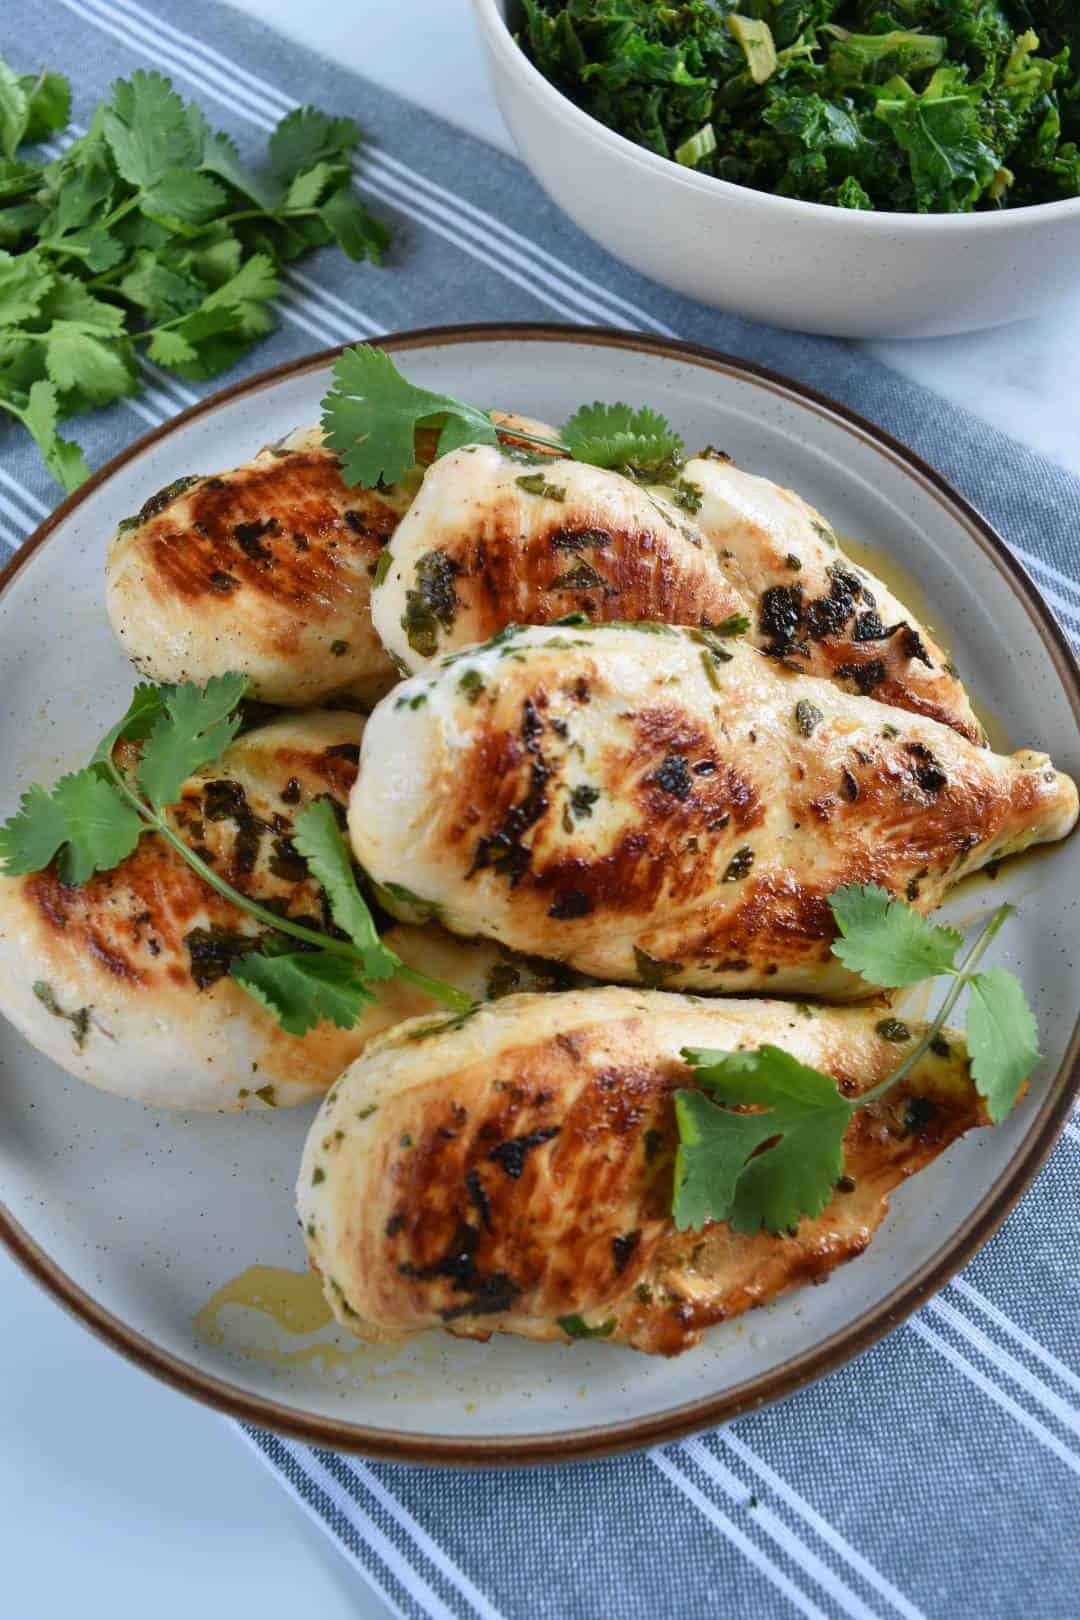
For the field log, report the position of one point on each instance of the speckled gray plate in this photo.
(141, 1222)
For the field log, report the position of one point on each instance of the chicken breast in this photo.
(124, 980)
(652, 804)
(265, 570)
(815, 608)
(513, 1173)
(489, 542)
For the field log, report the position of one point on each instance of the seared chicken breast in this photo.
(123, 981)
(265, 570)
(655, 805)
(489, 542)
(814, 608)
(514, 1173)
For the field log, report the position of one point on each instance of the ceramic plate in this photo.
(175, 1236)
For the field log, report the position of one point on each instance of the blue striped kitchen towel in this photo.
(940, 1475)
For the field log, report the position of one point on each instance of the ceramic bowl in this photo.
(797, 264)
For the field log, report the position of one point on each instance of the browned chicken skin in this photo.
(490, 541)
(654, 807)
(265, 570)
(514, 1174)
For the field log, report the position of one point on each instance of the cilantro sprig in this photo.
(93, 819)
(780, 1162)
(149, 233)
(372, 414)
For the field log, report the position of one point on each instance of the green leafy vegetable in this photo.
(617, 435)
(1003, 1042)
(913, 105)
(93, 819)
(149, 232)
(372, 414)
(781, 1160)
(303, 988)
(318, 838)
(576, 1327)
(195, 727)
(888, 942)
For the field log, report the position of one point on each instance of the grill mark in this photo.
(131, 923)
(240, 531)
(510, 571)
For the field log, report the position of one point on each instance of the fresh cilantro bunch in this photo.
(93, 819)
(781, 1161)
(372, 415)
(936, 106)
(149, 234)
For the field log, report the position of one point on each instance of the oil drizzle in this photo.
(258, 1313)
(281, 1318)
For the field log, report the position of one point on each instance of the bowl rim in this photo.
(847, 1341)
(491, 17)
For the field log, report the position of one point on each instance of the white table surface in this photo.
(118, 1495)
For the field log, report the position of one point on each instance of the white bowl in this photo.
(835, 270)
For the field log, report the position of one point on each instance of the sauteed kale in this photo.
(929, 106)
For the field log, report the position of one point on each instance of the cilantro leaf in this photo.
(306, 136)
(302, 989)
(145, 709)
(148, 129)
(183, 194)
(1003, 1042)
(310, 184)
(780, 1161)
(159, 289)
(371, 415)
(220, 156)
(102, 828)
(70, 301)
(886, 941)
(14, 111)
(31, 837)
(81, 198)
(48, 104)
(99, 368)
(63, 457)
(725, 1168)
(355, 230)
(25, 280)
(84, 819)
(619, 436)
(195, 728)
(318, 838)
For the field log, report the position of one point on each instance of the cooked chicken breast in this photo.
(124, 980)
(489, 541)
(648, 804)
(816, 609)
(265, 570)
(514, 1173)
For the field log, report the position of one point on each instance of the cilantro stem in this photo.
(962, 976)
(456, 999)
(533, 438)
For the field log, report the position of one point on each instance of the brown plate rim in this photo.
(710, 1410)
